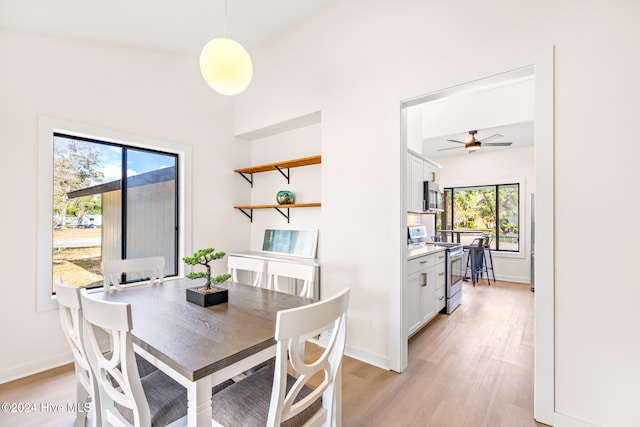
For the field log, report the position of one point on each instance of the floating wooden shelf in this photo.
(279, 208)
(293, 205)
(305, 161)
(279, 166)
(247, 173)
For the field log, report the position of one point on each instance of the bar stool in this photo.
(488, 260)
(476, 263)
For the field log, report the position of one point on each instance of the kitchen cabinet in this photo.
(423, 286)
(412, 303)
(428, 295)
(429, 171)
(441, 282)
(418, 170)
(415, 198)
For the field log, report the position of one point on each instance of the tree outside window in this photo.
(493, 210)
(111, 201)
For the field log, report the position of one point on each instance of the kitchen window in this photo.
(493, 210)
(106, 195)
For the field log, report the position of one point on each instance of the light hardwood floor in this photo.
(471, 368)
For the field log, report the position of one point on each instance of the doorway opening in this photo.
(539, 67)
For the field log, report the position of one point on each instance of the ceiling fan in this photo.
(472, 144)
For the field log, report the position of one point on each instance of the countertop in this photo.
(418, 251)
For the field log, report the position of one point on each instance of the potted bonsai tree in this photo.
(206, 295)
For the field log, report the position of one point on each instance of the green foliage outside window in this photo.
(492, 209)
(75, 166)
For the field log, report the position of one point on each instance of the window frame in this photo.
(47, 126)
(523, 224)
(124, 194)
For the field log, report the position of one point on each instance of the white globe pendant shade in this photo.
(226, 66)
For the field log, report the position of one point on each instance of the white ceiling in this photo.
(520, 134)
(171, 25)
(501, 104)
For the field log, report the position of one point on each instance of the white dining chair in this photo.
(125, 398)
(151, 268)
(277, 270)
(71, 321)
(251, 265)
(271, 396)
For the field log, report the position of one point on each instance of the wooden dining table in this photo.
(202, 347)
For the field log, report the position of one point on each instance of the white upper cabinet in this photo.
(428, 172)
(416, 186)
(418, 171)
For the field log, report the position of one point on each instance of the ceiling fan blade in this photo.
(497, 144)
(453, 140)
(451, 148)
(497, 135)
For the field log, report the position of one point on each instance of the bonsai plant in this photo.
(200, 295)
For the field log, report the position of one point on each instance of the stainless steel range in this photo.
(455, 274)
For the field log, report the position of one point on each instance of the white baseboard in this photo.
(517, 279)
(362, 356)
(371, 359)
(35, 366)
(562, 420)
(40, 365)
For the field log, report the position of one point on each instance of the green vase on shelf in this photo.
(285, 197)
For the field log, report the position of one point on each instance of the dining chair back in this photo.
(123, 394)
(305, 272)
(273, 397)
(251, 265)
(151, 268)
(71, 321)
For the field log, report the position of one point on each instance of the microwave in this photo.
(432, 197)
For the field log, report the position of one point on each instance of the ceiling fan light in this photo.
(226, 66)
(472, 147)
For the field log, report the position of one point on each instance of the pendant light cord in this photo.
(225, 18)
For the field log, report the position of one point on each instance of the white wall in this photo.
(129, 90)
(304, 181)
(352, 60)
(493, 167)
(415, 133)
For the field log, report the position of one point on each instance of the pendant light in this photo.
(225, 64)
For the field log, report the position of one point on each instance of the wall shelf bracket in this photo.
(249, 179)
(249, 215)
(283, 214)
(281, 170)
